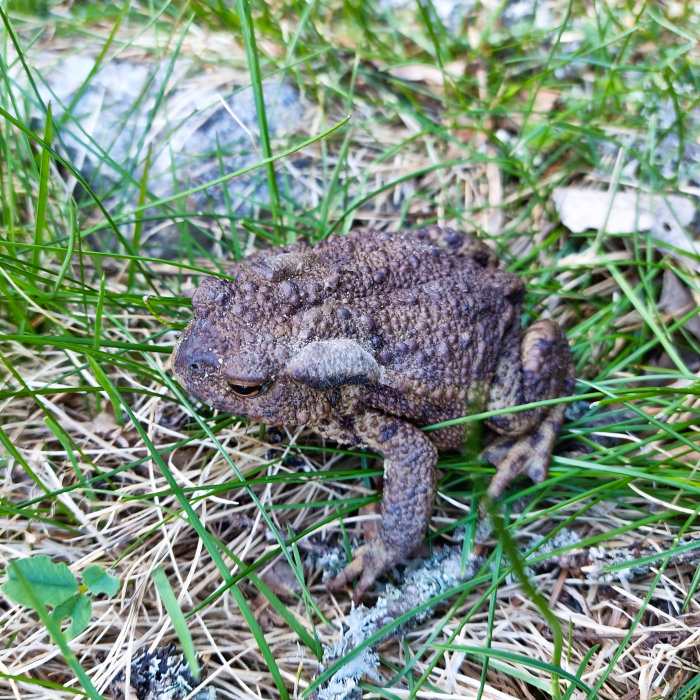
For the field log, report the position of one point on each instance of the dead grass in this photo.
(637, 637)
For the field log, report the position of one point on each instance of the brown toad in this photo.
(367, 338)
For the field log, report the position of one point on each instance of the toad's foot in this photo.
(369, 561)
(528, 454)
(533, 367)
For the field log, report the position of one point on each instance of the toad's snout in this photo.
(191, 358)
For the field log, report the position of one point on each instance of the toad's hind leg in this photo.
(535, 368)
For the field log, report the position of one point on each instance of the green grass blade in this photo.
(210, 545)
(248, 31)
(41, 203)
(177, 618)
(514, 558)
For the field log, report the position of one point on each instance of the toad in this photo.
(369, 337)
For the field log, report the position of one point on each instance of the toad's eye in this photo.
(247, 390)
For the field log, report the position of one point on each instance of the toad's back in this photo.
(428, 304)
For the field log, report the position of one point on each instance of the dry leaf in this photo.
(667, 218)
(281, 579)
(420, 72)
(677, 300)
(580, 209)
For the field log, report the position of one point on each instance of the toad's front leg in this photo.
(409, 489)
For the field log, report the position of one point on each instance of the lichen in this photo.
(433, 577)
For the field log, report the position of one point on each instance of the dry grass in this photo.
(107, 500)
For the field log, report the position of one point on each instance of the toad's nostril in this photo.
(200, 360)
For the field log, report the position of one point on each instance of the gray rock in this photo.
(178, 112)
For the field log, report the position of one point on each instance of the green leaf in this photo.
(98, 581)
(58, 637)
(51, 583)
(79, 609)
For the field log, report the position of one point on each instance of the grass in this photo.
(105, 460)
